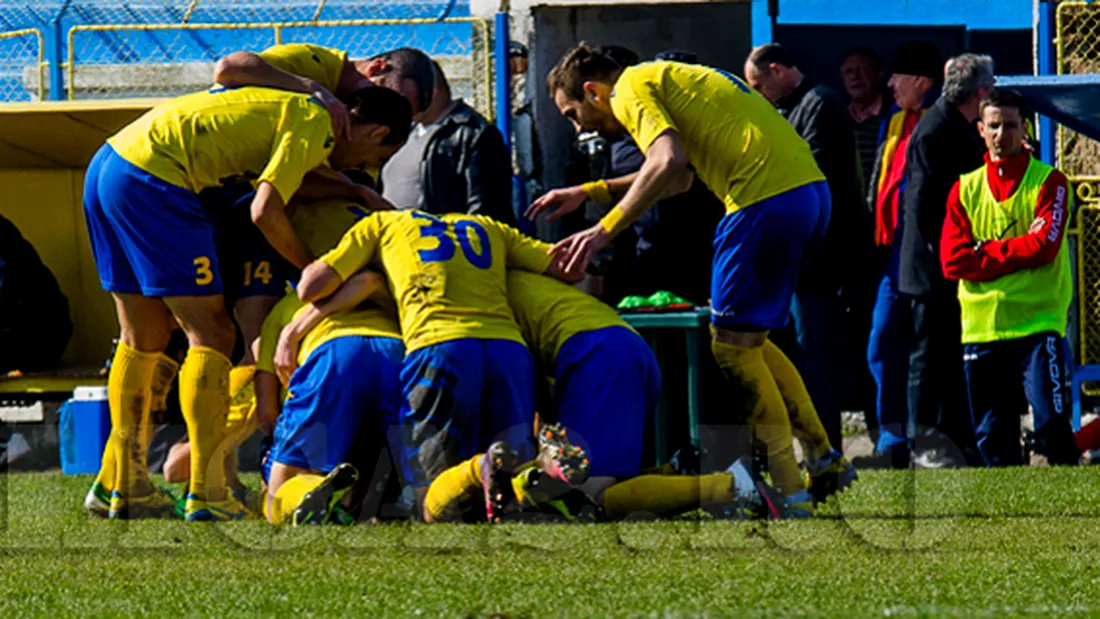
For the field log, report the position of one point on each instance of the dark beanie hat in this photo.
(920, 58)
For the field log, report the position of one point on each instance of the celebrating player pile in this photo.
(415, 332)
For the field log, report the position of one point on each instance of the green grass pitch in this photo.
(935, 543)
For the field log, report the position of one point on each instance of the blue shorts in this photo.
(458, 398)
(606, 387)
(761, 251)
(343, 384)
(252, 267)
(149, 237)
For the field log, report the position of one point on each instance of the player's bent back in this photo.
(468, 379)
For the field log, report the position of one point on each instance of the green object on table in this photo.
(694, 323)
(658, 299)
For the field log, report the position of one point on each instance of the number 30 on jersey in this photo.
(460, 230)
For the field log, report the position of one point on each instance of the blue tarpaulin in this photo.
(1072, 100)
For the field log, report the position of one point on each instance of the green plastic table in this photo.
(692, 323)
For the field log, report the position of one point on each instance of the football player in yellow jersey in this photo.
(606, 386)
(694, 119)
(330, 76)
(347, 376)
(467, 379)
(155, 252)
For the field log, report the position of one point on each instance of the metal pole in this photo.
(53, 57)
(55, 52)
(1045, 35)
(502, 37)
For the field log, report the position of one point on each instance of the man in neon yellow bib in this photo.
(1002, 240)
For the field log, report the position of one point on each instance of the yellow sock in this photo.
(663, 469)
(800, 408)
(290, 495)
(108, 467)
(165, 370)
(666, 495)
(241, 422)
(204, 400)
(128, 396)
(240, 378)
(452, 488)
(768, 417)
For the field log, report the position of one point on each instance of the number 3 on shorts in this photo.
(203, 274)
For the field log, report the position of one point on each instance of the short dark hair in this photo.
(867, 52)
(1003, 97)
(413, 64)
(772, 53)
(623, 56)
(580, 64)
(382, 106)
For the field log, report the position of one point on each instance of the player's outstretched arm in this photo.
(664, 173)
(318, 281)
(353, 292)
(561, 202)
(270, 217)
(248, 69)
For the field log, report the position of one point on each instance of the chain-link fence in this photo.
(1078, 48)
(163, 48)
(22, 52)
(1078, 51)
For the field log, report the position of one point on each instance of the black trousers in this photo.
(939, 410)
(1003, 378)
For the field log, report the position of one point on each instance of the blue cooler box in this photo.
(85, 426)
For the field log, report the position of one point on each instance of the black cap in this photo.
(678, 55)
(920, 58)
(517, 49)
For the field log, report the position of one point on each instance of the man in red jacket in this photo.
(1002, 239)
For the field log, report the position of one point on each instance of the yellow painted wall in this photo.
(44, 148)
(47, 208)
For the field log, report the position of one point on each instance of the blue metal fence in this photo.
(57, 31)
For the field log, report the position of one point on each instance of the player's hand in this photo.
(573, 254)
(341, 120)
(286, 356)
(561, 201)
(1037, 226)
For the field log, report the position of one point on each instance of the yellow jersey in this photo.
(549, 312)
(363, 322)
(321, 224)
(447, 274)
(323, 65)
(737, 142)
(199, 140)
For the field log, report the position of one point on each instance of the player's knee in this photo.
(177, 466)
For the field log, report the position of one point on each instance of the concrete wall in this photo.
(718, 32)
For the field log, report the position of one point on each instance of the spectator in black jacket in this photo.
(945, 145)
(34, 315)
(824, 354)
(454, 161)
